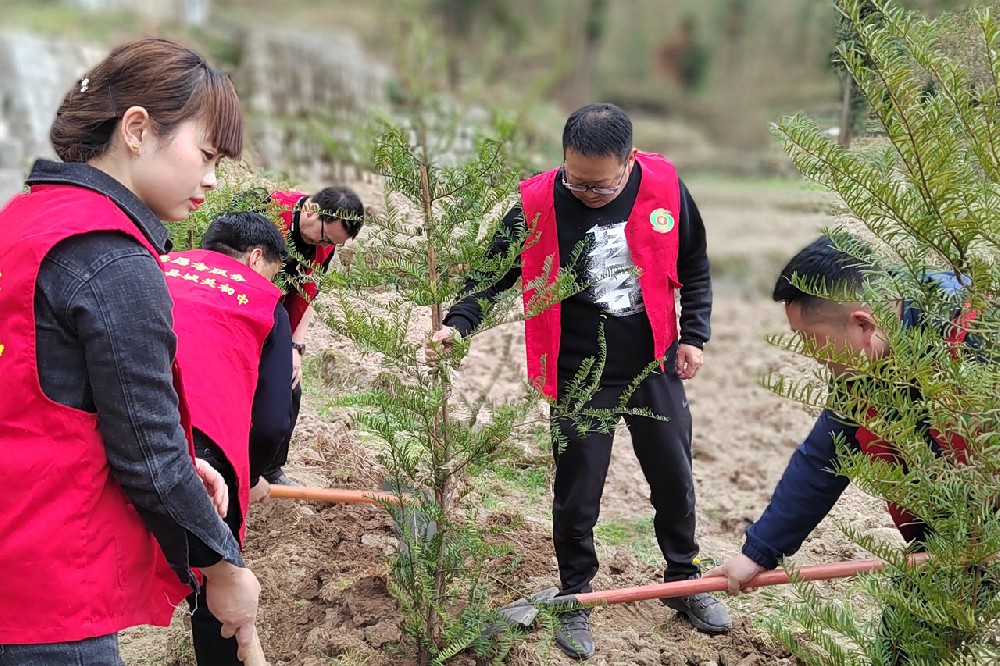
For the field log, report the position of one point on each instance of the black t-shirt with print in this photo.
(611, 295)
(595, 238)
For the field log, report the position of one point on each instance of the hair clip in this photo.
(84, 84)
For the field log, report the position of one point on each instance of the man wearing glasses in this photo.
(316, 224)
(628, 229)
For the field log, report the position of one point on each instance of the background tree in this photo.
(926, 200)
(853, 106)
(578, 85)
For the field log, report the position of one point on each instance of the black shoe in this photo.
(573, 634)
(279, 478)
(704, 611)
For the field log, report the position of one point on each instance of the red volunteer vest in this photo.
(294, 301)
(223, 312)
(651, 234)
(909, 525)
(77, 560)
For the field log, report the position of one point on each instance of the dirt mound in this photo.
(325, 598)
(323, 579)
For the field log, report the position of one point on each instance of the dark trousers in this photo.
(210, 648)
(663, 449)
(281, 455)
(99, 651)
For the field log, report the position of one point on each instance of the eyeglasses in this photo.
(352, 227)
(591, 188)
(323, 239)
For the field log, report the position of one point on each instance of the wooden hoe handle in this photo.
(683, 588)
(331, 495)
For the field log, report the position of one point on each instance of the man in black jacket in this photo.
(642, 238)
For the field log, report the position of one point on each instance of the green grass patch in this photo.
(636, 536)
(533, 480)
(719, 179)
(523, 484)
(55, 18)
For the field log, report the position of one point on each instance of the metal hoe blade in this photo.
(521, 613)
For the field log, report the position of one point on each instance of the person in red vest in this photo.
(809, 488)
(625, 210)
(233, 350)
(316, 224)
(103, 510)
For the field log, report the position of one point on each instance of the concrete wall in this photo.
(182, 12)
(35, 73)
(286, 80)
(303, 91)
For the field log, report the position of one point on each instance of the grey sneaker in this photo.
(704, 611)
(279, 478)
(573, 634)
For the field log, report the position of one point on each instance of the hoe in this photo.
(523, 612)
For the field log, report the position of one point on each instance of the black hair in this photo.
(822, 265)
(339, 202)
(236, 234)
(597, 130)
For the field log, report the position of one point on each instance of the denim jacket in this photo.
(105, 344)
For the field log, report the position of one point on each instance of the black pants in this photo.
(210, 648)
(281, 455)
(664, 452)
